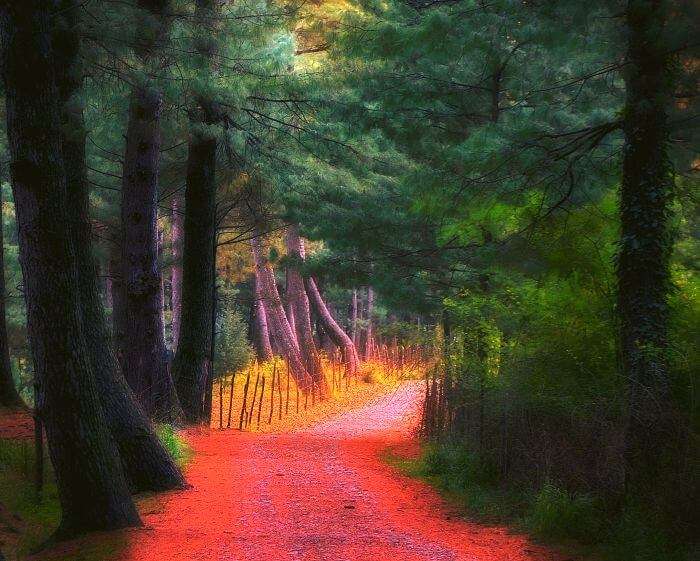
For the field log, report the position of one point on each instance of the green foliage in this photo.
(232, 348)
(176, 446)
(558, 514)
(549, 512)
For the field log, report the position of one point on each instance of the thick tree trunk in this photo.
(118, 298)
(144, 360)
(646, 240)
(92, 488)
(191, 364)
(146, 462)
(178, 229)
(9, 397)
(262, 330)
(299, 304)
(191, 367)
(275, 314)
(331, 327)
(369, 335)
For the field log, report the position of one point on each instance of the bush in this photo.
(233, 351)
(558, 514)
(174, 444)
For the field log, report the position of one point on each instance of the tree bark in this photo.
(191, 364)
(331, 327)
(262, 330)
(147, 464)
(118, 298)
(299, 304)
(646, 240)
(92, 488)
(9, 397)
(144, 360)
(178, 228)
(353, 317)
(274, 311)
(369, 341)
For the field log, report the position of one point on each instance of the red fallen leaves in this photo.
(314, 497)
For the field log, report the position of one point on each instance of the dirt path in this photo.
(319, 494)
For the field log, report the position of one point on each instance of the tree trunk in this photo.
(9, 397)
(369, 342)
(92, 489)
(146, 462)
(353, 317)
(178, 228)
(262, 331)
(118, 298)
(275, 313)
(299, 304)
(331, 327)
(144, 360)
(646, 241)
(191, 364)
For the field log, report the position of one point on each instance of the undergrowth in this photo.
(577, 521)
(176, 446)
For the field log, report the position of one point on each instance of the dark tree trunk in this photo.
(92, 488)
(646, 240)
(118, 298)
(178, 228)
(147, 464)
(331, 327)
(299, 304)
(144, 359)
(262, 330)
(275, 313)
(9, 397)
(353, 317)
(369, 335)
(191, 364)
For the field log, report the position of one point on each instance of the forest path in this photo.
(321, 494)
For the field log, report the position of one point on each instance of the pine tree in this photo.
(92, 488)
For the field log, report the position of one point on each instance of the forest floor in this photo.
(322, 493)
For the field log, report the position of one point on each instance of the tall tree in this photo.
(9, 397)
(178, 228)
(263, 346)
(331, 327)
(91, 484)
(299, 305)
(645, 238)
(369, 335)
(144, 359)
(274, 310)
(191, 368)
(147, 464)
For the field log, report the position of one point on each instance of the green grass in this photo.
(174, 444)
(575, 521)
(38, 518)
